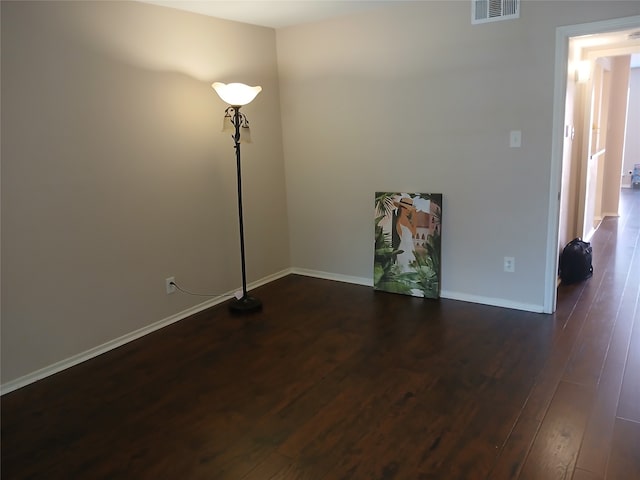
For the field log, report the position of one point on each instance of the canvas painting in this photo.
(407, 243)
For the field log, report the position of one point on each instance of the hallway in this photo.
(592, 379)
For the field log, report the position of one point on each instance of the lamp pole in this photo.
(246, 303)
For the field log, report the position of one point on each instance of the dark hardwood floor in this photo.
(335, 381)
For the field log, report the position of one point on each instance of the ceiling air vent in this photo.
(483, 11)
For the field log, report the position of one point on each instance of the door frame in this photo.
(563, 34)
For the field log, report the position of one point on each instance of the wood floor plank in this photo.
(580, 474)
(624, 461)
(588, 355)
(599, 431)
(555, 449)
(514, 451)
(279, 467)
(629, 404)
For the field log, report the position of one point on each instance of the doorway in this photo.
(596, 159)
(614, 36)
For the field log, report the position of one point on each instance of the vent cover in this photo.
(483, 11)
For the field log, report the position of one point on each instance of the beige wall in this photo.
(632, 140)
(568, 228)
(115, 175)
(415, 98)
(615, 135)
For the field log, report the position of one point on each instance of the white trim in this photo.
(589, 235)
(555, 177)
(563, 34)
(269, 278)
(368, 282)
(464, 297)
(610, 214)
(494, 302)
(32, 377)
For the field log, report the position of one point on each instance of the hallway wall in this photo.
(616, 135)
(632, 140)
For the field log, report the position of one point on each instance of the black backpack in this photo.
(575, 261)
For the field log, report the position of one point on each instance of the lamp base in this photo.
(245, 304)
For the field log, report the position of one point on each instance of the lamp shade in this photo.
(227, 124)
(236, 94)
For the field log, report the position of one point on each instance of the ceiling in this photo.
(273, 14)
(286, 13)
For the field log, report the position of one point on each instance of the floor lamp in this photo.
(238, 95)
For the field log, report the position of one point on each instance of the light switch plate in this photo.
(515, 139)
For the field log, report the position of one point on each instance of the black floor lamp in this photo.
(237, 95)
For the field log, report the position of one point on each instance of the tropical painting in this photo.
(407, 243)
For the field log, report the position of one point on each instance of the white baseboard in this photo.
(333, 276)
(587, 237)
(495, 302)
(32, 377)
(610, 214)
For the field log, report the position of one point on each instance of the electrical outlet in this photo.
(509, 264)
(170, 285)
